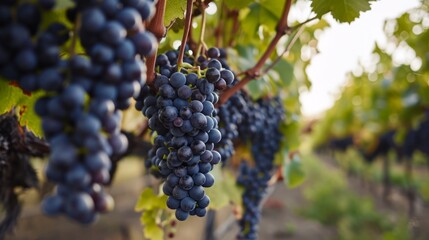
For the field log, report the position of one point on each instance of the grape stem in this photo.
(254, 72)
(188, 21)
(156, 26)
(286, 50)
(299, 25)
(75, 30)
(201, 45)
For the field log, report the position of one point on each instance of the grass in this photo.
(332, 202)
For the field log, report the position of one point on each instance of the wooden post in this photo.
(210, 225)
(386, 180)
(411, 196)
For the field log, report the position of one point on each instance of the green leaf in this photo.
(174, 9)
(292, 132)
(224, 191)
(285, 71)
(257, 17)
(148, 200)
(14, 97)
(342, 11)
(293, 173)
(257, 88)
(153, 231)
(64, 4)
(274, 6)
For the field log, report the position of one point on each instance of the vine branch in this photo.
(250, 74)
(286, 50)
(75, 30)
(156, 26)
(188, 21)
(293, 28)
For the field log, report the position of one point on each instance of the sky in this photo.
(341, 48)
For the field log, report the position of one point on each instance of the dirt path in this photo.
(279, 221)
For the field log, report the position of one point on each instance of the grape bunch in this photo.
(230, 117)
(113, 35)
(261, 127)
(81, 113)
(30, 55)
(180, 109)
(183, 148)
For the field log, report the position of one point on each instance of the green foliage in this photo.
(293, 172)
(237, 4)
(342, 11)
(225, 191)
(332, 202)
(173, 10)
(63, 4)
(11, 97)
(155, 215)
(389, 96)
(259, 16)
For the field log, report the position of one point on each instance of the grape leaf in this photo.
(257, 17)
(14, 97)
(64, 4)
(151, 229)
(174, 9)
(224, 190)
(342, 11)
(293, 173)
(152, 206)
(274, 6)
(285, 70)
(148, 200)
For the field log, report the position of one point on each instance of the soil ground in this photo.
(280, 218)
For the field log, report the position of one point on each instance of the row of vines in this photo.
(382, 113)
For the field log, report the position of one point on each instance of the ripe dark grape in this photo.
(260, 126)
(180, 108)
(82, 139)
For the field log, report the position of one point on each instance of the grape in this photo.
(173, 203)
(181, 215)
(53, 205)
(180, 108)
(260, 125)
(82, 139)
(213, 52)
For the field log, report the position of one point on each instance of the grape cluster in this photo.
(230, 116)
(183, 148)
(81, 113)
(181, 112)
(29, 55)
(113, 35)
(261, 127)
